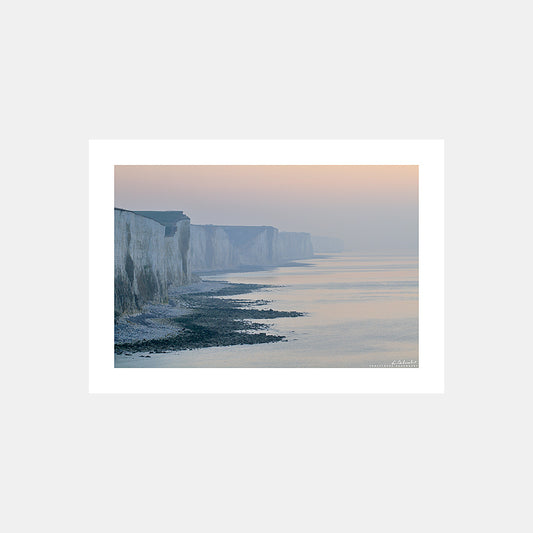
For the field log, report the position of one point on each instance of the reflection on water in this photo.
(362, 311)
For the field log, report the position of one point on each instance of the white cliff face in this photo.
(154, 249)
(255, 245)
(177, 256)
(211, 249)
(327, 244)
(228, 247)
(148, 258)
(293, 245)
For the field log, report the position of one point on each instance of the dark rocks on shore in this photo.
(214, 321)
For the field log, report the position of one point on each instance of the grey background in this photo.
(379, 70)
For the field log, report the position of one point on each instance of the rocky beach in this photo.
(199, 315)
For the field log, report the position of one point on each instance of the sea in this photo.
(361, 310)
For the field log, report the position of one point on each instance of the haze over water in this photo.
(362, 307)
(369, 207)
(362, 311)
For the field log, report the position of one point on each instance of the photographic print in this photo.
(264, 266)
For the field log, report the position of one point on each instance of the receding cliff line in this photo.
(156, 249)
(215, 248)
(151, 252)
(327, 244)
(292, 245)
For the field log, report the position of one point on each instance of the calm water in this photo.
(362, 311)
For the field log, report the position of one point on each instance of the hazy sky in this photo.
(369, 207)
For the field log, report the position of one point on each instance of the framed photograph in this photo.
(266, 266)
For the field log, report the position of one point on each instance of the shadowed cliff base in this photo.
(197, 317)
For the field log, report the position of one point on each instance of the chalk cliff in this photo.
(227, 247)
(292, 245)
(151, 252)
(327, 244)
(154, 249)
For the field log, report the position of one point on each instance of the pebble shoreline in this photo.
(153, 321)
(196, 317)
